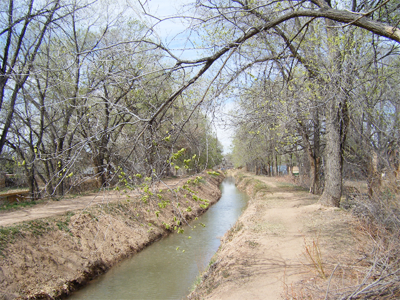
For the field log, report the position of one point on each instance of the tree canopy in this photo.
(96, 95)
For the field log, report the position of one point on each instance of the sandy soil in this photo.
(70, 203)
(50, 257)
(263, 256)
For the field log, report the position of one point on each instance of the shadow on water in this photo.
(163, 272)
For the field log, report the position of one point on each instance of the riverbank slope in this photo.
(50, 257)
(284, 246)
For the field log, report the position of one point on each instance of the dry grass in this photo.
(368, 269)
(380, 222)
(313, 255)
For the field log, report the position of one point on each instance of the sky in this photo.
(223, 132)
(171, 32)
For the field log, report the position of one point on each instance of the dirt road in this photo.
(262, 257)
(52, 208)
(51, 257)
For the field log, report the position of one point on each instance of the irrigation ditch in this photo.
(51, 257)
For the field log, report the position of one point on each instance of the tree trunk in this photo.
(311, 158)
(374, 176)
(337, 120)
(333, 158)
(291, 165)
(60, 181)
(32, 183)
(98, 162)
(317, 154)
(269, 168)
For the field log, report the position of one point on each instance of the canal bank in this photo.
(168, 268)
(51, 257)
(264, 255)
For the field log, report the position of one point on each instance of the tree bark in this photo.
(314, 162)
(333, 158)
(32, 183)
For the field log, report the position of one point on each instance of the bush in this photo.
(380, 220)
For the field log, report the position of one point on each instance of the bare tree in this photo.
(23, 29)
(247, 21)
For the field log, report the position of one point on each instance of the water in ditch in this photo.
(168, 268)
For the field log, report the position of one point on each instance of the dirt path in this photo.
(263, 255)
(52, 257)
(52, 208)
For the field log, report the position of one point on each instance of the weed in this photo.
(7, 235)
(213, 260)
(35, 227)
(70, 214)
(63, 225)
(241, 176)
(260, 187)
(17, 205)
(252, 244)
(225, 274)
(246, 182)
(236, 228)
(292, 187)
(380, 220)
(38, 227)
(313, 255)
(196, 282)
(9, 232)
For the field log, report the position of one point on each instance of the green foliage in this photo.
(213, 173)
(204, 206)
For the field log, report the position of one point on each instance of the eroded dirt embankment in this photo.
(264, 255)
(50, 257)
